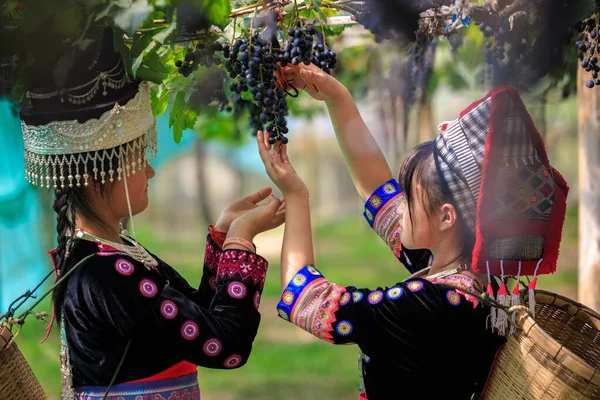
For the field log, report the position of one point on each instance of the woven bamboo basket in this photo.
(555, 356)
(17, 380)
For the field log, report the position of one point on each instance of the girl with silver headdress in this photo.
(483, 200)
(131, 325)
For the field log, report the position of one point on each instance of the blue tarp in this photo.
(23, 260)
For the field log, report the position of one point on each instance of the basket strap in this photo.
(24, 315)
(114, 377)
(5, 337)
(12, 308)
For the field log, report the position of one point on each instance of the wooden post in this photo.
(589, 187)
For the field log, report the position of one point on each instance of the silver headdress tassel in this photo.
(67, 153)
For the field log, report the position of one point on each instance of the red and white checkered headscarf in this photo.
(494, 162)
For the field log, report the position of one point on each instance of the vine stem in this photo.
(252, 8)
(257, 7)
(151, 29)
(234, 27)
(339, 6)
(297, 11)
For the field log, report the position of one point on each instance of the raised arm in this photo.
(297, 250)
(366, 162)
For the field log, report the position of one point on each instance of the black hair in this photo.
(419, 167)
(68, 203)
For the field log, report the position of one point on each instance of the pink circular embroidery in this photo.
(212, 347)
(189, 330)
(345, 299)
(233, 361)
(344, 328)
(212, 282)
(415, 286)
(375, 297)
(168, 309)
(453, 297)
(148, 288)
(237, 290)
(124, 267)
(256, 299)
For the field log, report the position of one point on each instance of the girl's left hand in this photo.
(240, 207)
(279, 168)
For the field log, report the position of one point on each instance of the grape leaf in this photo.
(165, 33)
(141, 43)
(316, 5)
(218, 12)
(177, 106)
(121, 46)
(181, 116)
(137, 62)
(130, 18)
(334, 30)
(307, 13)
(152, 69)
(149, 22)
(330, 12)
(146, 74)
(160, 102)
(111, 8)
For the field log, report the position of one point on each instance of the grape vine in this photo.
(179, 45)
(254, 63)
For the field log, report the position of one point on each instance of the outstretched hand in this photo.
(314, 81)
(278, 167)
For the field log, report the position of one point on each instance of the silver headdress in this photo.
(114, 78)
(67, 153)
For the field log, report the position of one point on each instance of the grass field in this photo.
(287, 363)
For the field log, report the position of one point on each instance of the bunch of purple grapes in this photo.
(203, 55)
(306, 46)
(251, 64)
(588, 48)
(495, 43)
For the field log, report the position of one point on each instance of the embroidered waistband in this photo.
(184, 387)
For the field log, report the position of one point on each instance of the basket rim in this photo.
(531, 329)
(581, 307)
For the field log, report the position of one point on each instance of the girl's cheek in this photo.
(401, 212)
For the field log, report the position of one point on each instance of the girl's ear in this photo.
(449, 217)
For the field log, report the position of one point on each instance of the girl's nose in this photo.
(150, 171)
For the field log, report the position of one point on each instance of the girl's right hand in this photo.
(314, 81)
(278, 167)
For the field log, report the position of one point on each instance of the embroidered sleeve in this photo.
(347, 315)
(208, 283)
(136, 300)
(202, 296)
(381, 212)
